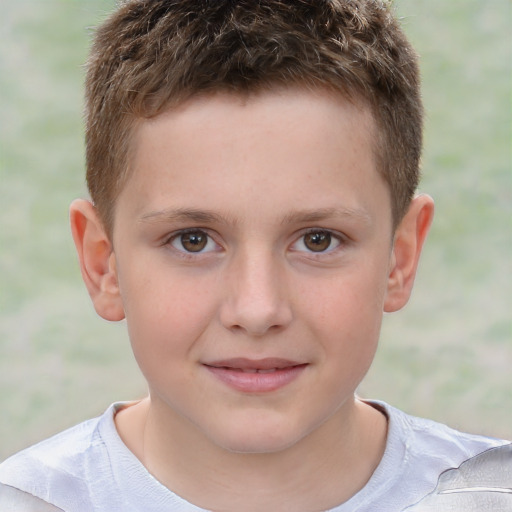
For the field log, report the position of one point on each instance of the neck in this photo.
(322, 470)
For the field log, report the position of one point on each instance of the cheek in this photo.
(165, 310)
(345, 315)
(349, 300)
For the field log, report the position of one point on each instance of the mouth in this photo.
(257, 370)
(256, 376)
(267, 365)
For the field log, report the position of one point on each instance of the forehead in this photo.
(296, 105)
(293, 144)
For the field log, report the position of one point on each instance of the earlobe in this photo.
(409, 238)
(97, 260)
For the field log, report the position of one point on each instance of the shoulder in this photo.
(426, 440)
(60, 452)
(59, 465)
(14, 500)
(86, 468)
(483, 482)
(417, 452)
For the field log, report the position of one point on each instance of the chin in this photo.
(256, 437)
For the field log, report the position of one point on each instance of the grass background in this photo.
(447, 355)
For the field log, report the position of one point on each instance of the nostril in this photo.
(254, 331)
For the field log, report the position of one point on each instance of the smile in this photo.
(270, 370)
(256, 376)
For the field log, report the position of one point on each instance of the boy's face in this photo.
(254, 235)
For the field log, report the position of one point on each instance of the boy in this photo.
(252, 167)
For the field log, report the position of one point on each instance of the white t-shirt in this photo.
(88, 468)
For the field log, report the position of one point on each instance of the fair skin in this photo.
(253, 256)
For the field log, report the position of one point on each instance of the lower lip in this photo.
(257, 382)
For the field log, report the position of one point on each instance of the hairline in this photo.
(133, 122)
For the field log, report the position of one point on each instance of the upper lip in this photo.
(242, 363)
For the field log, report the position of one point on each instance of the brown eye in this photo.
(194, 241)
(317, 241)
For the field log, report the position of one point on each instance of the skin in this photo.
(254, 176)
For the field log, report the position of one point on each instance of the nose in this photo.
(256, 299)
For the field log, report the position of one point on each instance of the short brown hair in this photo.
(152, 54)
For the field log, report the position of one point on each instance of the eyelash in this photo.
(335, 237)
(182, 252)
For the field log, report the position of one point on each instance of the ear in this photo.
(408, 242)
(97, 260)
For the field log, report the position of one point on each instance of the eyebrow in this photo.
(182, 214)
(299, 216)
(317, 215)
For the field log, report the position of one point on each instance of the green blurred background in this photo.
(448, 355)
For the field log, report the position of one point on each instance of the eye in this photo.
(193, 241)
(317, 240)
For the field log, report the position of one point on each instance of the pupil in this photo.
(318, 242)
(194, 242)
